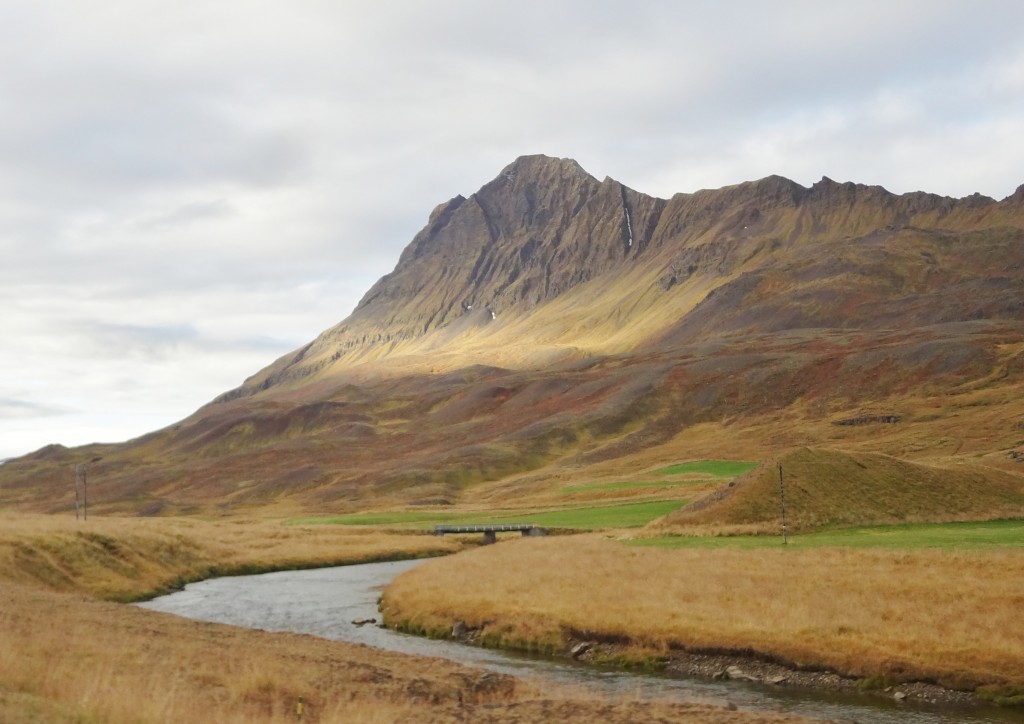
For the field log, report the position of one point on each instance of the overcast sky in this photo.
(190, 189)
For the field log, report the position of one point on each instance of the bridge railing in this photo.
(490, 530)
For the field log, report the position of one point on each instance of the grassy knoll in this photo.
(986, 534)
(625, 515)
(67, 656)
(712, 468)
(828, 488)
(949, 616)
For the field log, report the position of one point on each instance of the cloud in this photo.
(190, 213)
(11, 409)
(188, 190)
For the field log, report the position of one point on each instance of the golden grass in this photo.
(828, 488)
(951, 617)
(111, 663)
(127, 558)
(66, 656)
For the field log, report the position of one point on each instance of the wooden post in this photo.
(782, 500)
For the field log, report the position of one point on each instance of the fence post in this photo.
(782, 500)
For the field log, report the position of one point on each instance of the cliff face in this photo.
(555, 258)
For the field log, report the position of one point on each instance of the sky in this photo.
(190, 189)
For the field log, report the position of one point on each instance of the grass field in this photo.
(66, 656)
(122, 559)
(948, 616)
(996, 533)
(653, 485)
(626, 515)
(829, 489)
(711, 468)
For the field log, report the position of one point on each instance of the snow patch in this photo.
(629, 227)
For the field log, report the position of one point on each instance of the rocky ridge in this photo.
(546, 231)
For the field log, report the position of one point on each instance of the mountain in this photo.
(550, 259)
(552, 327)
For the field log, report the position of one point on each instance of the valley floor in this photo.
(67, 655)
(879, 618)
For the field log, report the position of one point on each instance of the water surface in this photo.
(324, 602)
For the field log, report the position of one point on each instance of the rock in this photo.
(459, 629)
(363, 621)
(776, 680)
(899, 695)
(735, 672)
(581, 648)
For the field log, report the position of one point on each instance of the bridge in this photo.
(491, 531)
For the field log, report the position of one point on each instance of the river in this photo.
(324, 602)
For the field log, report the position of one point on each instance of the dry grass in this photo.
(110, 663)
(951, 617)
(127, 558)
(829, 488)
(66, 656)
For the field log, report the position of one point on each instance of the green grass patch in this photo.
(634, 486)
(627, 515)
(714, 468)
(987, 534)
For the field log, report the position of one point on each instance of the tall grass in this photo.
(66, 656)
(827, 488)
(127, 558)
(947, 616)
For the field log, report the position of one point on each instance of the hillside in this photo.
(828, 488)
(553, 328)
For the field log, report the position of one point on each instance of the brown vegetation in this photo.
(765, 311)
(940, 616)
(66, 656)
(127, 558)
(828, 488)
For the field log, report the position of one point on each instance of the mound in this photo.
(826, 488)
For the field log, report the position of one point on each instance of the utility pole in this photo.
(782, 500)
(81, 481)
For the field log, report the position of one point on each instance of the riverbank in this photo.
(723, 665)
(923, 624)
(66, 655)
(131, 559)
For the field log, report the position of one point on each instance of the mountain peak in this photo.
(619, 262)
(536, 171)
(540, 165)
(1017, 196)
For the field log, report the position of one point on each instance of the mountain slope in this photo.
(545, 262)
(554, 327)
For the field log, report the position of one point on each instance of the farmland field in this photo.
(627, 515)
(996, 533)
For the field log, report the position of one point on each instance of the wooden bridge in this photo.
(491, 531)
